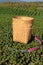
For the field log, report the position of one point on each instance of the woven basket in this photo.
(22, 28)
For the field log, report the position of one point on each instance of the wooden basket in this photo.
(22, 28)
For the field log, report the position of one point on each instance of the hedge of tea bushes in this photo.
(10, 53)
(20, 11)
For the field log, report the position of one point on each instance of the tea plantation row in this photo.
(19, 11)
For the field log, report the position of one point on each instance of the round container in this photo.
(22, 28)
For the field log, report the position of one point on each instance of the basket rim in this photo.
(23, 18)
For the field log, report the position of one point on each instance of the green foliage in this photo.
(10, 51)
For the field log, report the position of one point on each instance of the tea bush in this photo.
(10, 53)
